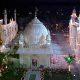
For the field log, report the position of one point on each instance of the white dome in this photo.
(34, 31)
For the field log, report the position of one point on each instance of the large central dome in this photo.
(35, 31)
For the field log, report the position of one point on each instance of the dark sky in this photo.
(64, 7)
(25, 3)
(59, 9)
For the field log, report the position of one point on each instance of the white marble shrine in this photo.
(36, 47)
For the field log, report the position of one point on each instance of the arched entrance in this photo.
(34, 61)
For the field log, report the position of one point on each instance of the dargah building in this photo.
(37, 47)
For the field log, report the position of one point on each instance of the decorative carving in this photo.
(48, 39)
(42, 40)
(21, 40)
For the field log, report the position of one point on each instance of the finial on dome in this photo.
(10, 20)
(14, 10)
(74, 10)
(15, 14)
(5, 16)
(5, 11)
(36, 10)
(74, 13)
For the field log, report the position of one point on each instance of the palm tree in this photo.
(69, 59)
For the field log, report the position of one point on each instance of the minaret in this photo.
(5, 16)
(73, 30)
(74, 14)
(15, 14)
(36, 10)
(78, 35)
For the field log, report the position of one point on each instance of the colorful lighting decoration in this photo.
(69, 59)
(1, 42)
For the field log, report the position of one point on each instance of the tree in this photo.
(69, 59)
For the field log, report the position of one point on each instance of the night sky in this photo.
(49, 11)
(60, 9)
(25, 3)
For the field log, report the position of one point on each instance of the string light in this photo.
(0, 73)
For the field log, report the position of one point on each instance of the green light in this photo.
(69, 59)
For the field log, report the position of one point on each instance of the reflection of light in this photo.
(3, 59)
(56, 24)
(69, 68)
(74, 74)
(2, 48)
(6, 67)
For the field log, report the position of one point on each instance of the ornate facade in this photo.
(74, 32)
(35, 45)
(8, 31)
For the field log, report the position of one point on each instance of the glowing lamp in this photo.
(69, 59)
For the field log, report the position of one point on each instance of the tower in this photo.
(79, 19)
(15, 14)
(73, 30)
(5, 16)
(78, 35)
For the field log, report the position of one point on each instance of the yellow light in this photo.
(69, 68)
(1, 42)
